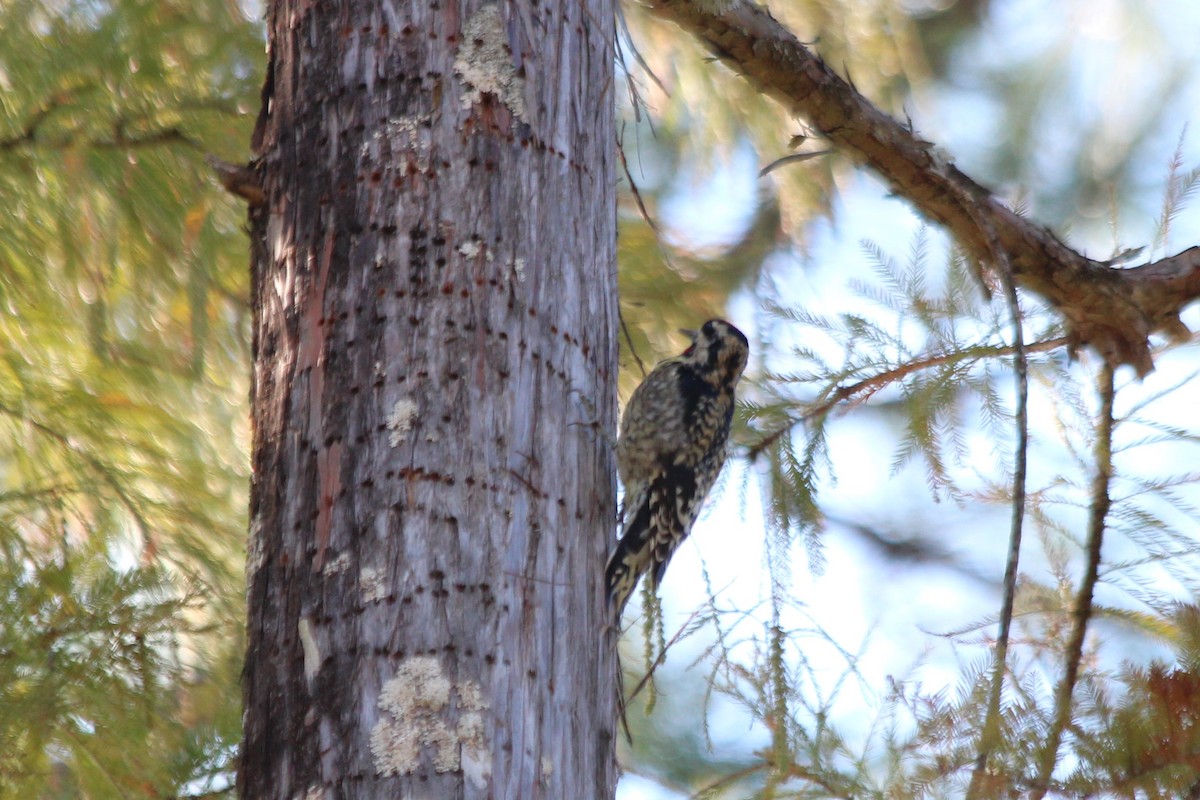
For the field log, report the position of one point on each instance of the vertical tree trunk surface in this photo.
(435, 301)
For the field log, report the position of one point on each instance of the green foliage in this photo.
(123, 387)
(709, 111)
(934, 359)
(928, 350)
(685, 116)
(98, 695)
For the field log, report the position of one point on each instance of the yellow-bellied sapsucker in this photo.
(670, 450)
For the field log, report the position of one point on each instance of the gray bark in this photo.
(435, 307)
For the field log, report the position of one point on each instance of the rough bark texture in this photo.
(435, 301)
(1112, 310)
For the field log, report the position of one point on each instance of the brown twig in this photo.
(629, 341)
(662, 655)
(238, 179)
(1082, 612)
(633, 189)
(991, 724)
(29, 131)
(863, 389)
(795, 158)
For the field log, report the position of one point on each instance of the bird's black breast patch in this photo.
(696, 393)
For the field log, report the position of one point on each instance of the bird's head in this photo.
(720, 350)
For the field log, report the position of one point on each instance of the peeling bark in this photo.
(434, 295)
(1111, 310)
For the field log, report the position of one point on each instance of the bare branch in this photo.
(795, 158)
(662, 654)
(862, 390)
(991, 724)
(29, 131)
(238, 179)
(1111, 310)
(1082, 612)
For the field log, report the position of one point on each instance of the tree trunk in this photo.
(434, 311)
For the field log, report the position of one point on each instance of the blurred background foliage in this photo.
(124, 353)
(124, 360)
(1075, 113)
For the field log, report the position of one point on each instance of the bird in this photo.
(670, 448)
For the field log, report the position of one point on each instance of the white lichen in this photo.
(476, 755)
(337, 565)
(417, 700)
(485, 63)
(400, 420)
(371, 586)
(405, 133)
(519, 269)
(312, 653)
(471, 247)
(470, 696)
(409, 127)
(411, 130)
(547, 768)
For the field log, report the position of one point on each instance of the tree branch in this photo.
(1111, 310)
(1082, 613)
(29, 131)
(862, 390)
(991, 723)
(238, 179)
(991, 726)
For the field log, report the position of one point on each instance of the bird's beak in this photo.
(688, 332)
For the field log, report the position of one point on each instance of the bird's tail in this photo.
(632, 556)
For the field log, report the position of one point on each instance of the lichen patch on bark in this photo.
(485, 62)
(337, 565)
(411, 133)
(417, 714)
(372, 585)
(400, 420)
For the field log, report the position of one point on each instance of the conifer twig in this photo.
(629, 341)
(73, 447)
(633, 189)
(1100, 503)
(658, 660)
(988, 737)
(863, 389)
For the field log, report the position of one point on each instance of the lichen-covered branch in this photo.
(1111, 310)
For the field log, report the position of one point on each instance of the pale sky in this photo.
(860, 597)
